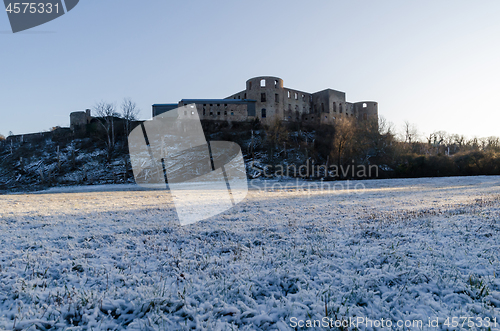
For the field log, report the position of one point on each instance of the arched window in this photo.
(364, 105)
(340, 108)
(262, 83)
(334, 107)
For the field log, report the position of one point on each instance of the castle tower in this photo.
(269, 93)
(365, 110)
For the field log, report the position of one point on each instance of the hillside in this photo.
(61, 158)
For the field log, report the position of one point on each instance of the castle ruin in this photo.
(267, 99)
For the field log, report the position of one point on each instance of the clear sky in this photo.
(433, 63)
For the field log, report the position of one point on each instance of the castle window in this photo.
(225, 105)
(364, 105)
(340, 108)
(211, 113)
(288, 94)
(204, 105)
(262, 83)
(245, 96)
(303, 97)
(225, 112)
(263, 114)
(249, 85)
(218, 105)
(232, 113)
(211, 105)
(276, 83)
(262, 97)
(204, 112)
(218, 113)
(322, 107)
(277, 98)
(334, 107)
(310, 98)
(296, 96)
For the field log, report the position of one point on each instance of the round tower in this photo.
(79, 119)
(269, 93)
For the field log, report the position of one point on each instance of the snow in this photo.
(114, 257)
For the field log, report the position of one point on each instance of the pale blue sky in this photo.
(434, 64)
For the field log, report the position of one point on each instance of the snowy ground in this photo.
(114, 258)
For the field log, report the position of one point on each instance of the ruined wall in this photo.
(296, 104)
(78, 120)
(267, 99)
(365, 110)
(223, 110)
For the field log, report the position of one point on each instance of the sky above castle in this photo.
(434, 64)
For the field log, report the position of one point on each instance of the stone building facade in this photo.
(79, 119)
(267, 99)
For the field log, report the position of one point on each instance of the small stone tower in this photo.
(79, 119)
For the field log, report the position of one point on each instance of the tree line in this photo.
(376, 142)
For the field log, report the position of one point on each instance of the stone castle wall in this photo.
(267, 99)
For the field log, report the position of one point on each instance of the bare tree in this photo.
(438, 139)
(344, 128)
(106, 112)
(492, 144)
(385, 127)
(129, 113)
(410, 132)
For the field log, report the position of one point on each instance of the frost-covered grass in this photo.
(110, 260)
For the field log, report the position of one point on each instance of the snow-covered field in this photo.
(114, 258)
